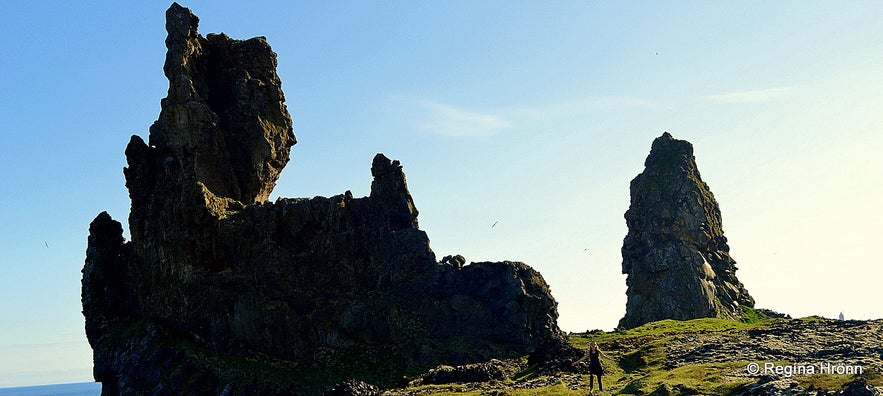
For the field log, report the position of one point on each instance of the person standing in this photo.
(595, 367)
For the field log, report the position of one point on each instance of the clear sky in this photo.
(534, 115)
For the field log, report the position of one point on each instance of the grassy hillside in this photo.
(702, 356)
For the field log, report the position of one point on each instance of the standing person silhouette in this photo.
(595, 368)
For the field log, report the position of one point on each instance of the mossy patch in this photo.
(661, 328)
(702, 379)
(815, 318)
(751, 315)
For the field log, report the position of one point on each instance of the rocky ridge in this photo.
(222, 292)
(675, 254)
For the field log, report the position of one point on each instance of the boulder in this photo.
(857, 387)
(477, 372)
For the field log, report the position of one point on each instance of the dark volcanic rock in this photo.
(478, 372)
(353, 388)
(775, 386)
(858, 387)
(222, 292)
(772, 386)
(675, 254)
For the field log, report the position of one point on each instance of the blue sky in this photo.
(533, 115)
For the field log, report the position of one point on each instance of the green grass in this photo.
(640, 356)
(638, 366)
(559, 389)
(815, 318)
(642, 364)
(833, 382)
(708, 378)
(751, 315)
(668, 327)
(450, 389)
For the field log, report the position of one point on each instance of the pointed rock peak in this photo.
(182, 41)
(675, 254)
(381, 165)
(390, 190)
(180, 20)
(224, 122)
(667, 142)
(105, 231)
(389, 179)
(668, 154)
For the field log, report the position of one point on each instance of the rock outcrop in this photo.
(675, 254)
(222, 292)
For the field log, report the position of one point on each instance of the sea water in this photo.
(78, 389)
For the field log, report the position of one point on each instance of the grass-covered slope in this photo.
(707, 357)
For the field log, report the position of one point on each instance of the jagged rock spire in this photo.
(675, 254)
(390, 190)
(224, 122)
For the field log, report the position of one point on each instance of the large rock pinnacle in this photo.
(224, 122)
(222, 292)
(675, 254)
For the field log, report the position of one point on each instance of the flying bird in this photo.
(46, 243)
(495, 224)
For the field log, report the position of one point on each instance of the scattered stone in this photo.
(354, 388)
(772, 314)
(852, 343)
(675, 254)
(457, 261)
(858, 387)
(479, 372)
(769, 386)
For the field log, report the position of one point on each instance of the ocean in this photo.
(77, 389)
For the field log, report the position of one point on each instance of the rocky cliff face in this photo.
(675, 254)
(220, 291)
